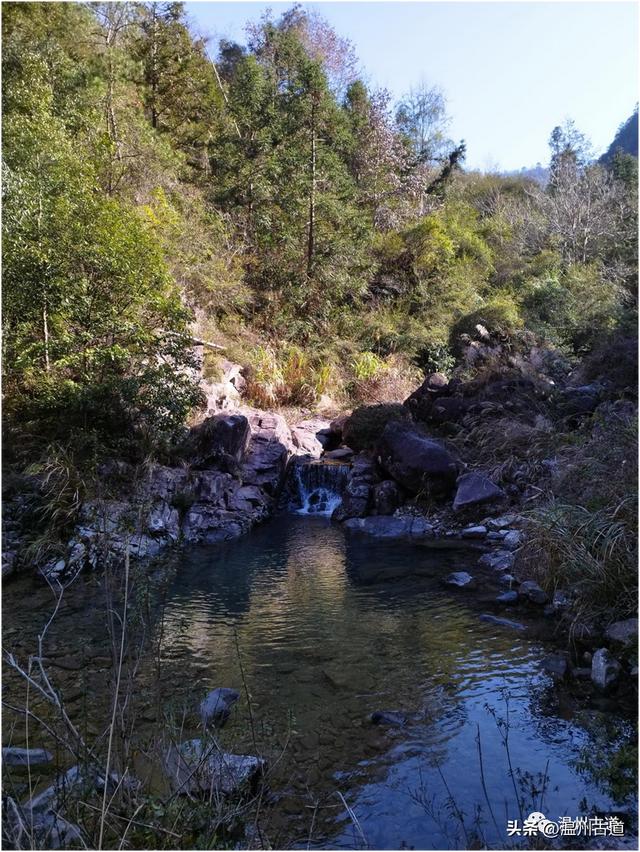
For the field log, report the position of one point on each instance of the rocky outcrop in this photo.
(418, 463)
(358, 494)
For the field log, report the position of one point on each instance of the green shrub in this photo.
(364, 428)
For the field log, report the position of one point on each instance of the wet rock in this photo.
(532, 591)
(25, 756)
(385, 526)
(605, 669)
(506, 579)
(507, 598)
(623, 632)
(459, 578)
(341, 454)
(416, 462)
(386, 497)
(475, 489)
(502, 622)
(198, 766)
(388, 717)
(556, 665)
(513, 540)
(216, 706)
(474, 532)
(499, 560)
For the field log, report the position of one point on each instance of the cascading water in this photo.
(319, 486)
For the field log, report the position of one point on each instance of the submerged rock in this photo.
(510, 597)
(217, 704)
(459, 578)
(556, 665)
(605, 669)
(502, 622)
(198, 766)
(385, 526)
(388, 717)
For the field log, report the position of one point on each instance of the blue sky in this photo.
(510, 71)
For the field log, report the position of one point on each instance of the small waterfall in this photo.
(319, 486)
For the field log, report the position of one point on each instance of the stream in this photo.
(331, 627)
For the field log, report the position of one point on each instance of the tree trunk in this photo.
(312, 192)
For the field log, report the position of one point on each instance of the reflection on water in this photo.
(325, 641)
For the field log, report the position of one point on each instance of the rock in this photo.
(216, 706)
(581, 673)
(605, 669)
(555, 665)
(386, 497)
(225, 393)
(416, 462)
(499, 560)
(12, 756)
(532, 591)
(341, 454)
(506, 579)
(164, 520)
(507, 598)
(475, 489)
(270, 448)
(388, 717)
(560, 601)
(501, 523)
(513, 540)
(502, 622)
(198, 766)
(356, 501)
(220, 441)
(459, 578)
(306, 438)
(624, 632)
(385, 526)
(474, 532)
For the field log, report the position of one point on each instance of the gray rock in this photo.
(506, 579)
(507, 598)
(216, 705)
(198, 766)
(381, 526)
(502, 622)
(416, 462)
(220, 441)
(501, 523)
(474, 532)
(341, 454)
(307, 439)
(605, 669)
(164, 520)
(532, 591)
(624, 632)
(475, 489)
(386, 497)
(388, 717)
(499, 560)
(555, 665)
(459, 578)
(12, 756)
(560, 601)
(513, 540)
(356, 500)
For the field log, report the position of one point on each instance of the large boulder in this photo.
(604, 669)
(365, 426)
(475, 489)
(418, 463)
(220, 441)
(270, 449)
(310, 437)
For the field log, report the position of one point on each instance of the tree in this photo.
(422, 117)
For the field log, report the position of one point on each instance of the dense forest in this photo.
(173, 209)
(273, 204)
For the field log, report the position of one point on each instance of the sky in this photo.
(510, 71)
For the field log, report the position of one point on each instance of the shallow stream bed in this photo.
(330, 627)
